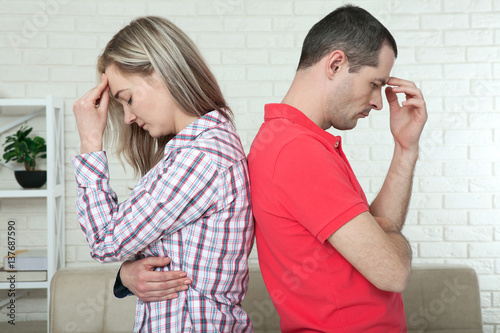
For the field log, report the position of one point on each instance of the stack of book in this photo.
(26, 265)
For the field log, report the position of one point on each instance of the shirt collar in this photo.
(277, 110)
(193, 130)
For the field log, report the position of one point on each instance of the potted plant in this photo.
(25, 150)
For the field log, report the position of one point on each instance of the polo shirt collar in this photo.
(280, 110)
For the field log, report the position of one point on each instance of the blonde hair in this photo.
(150, 44)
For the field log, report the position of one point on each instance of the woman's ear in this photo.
(336, 61)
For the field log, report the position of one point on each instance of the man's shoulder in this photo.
(278, 132)
(277, 135)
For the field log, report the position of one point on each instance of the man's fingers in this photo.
(156, 261)
(394, 81)
(419, 106)
(409, 91)
(180, 284)
(161, 294)
(171, 284)
(392, 98)
(404, 86)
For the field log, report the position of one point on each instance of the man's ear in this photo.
(335, 62)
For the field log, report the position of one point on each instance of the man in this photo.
(330, 261)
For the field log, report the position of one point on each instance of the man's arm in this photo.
(372, 242)
(407, 122)
(376, 248)
(394, 197)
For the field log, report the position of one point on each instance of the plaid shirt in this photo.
(193, 206)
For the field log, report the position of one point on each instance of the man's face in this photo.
(359, 93)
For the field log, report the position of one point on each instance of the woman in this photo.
(192, 203)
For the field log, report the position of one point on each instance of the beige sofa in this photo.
(438, 299)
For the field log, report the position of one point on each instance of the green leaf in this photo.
(21, 148)
(24, 132)
(39, 140)
(10, 147)
(9, 156)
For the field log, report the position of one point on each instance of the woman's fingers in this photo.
(91, 112)
(98, 92)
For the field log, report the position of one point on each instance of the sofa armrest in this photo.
(81, 300)
(443, 299)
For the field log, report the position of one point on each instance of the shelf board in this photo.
(23, 193)
(26, 285)
(22, 102)
(29, 193)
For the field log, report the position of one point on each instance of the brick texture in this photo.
(448, 47)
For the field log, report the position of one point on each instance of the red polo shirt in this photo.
(303, 190)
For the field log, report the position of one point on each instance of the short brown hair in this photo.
(350, 29)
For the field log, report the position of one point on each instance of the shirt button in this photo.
(336, 144)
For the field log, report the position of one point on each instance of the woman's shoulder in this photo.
(220, 143)
(212, 140)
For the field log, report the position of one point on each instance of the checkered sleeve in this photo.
(173, 194)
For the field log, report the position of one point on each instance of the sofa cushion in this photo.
(258, 305)
(438, 299)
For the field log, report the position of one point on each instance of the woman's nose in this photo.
(128, 117)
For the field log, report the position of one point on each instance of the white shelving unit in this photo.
(53, 111)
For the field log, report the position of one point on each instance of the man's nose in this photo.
(376, 101)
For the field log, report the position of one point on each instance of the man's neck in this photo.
(305, 94)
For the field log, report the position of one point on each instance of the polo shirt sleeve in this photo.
(314, 186)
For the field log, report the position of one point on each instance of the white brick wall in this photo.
(450, 48)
